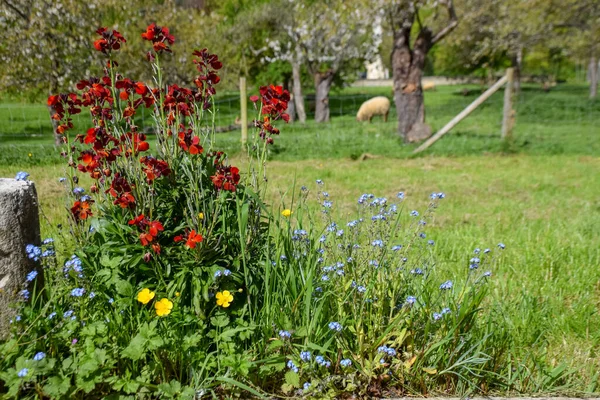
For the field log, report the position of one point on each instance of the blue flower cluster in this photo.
(285, 334)
(446, 285)
(292, 366)
(346, 362)
(21, 176)
(322, 362)
(73, 264)
(218, 273)
(33, 252)
(335, 326)
(387, 352)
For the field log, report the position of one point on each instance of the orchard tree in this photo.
(406, 20)
(325, 36)
(580, 33)
(45, 44)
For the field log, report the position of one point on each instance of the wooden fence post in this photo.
(463, 114)
(508, 118)
(244, 110)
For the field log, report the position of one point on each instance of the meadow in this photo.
(538, 194)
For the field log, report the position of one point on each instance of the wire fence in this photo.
(561, 120)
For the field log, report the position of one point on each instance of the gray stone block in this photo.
(19, 226)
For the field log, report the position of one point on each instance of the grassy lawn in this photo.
(563, 121)
(546, 210)
(539, 195)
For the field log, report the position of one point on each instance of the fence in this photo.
(561, 120)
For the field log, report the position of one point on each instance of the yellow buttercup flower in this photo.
(163, 307)
(224, 298)
(287, 212)
(30, 155)
(201, 215)
(177, 294)
(145, 295)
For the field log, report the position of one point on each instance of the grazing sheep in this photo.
(376, 106)
(428, 86)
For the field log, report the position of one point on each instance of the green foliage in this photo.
(372, 315)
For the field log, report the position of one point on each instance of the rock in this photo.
(19, 226)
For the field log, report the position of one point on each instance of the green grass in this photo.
(546, 210)
(539, 195)
(563, 121)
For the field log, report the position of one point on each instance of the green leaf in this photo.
(136, 348)
(169, 390)
(114, 262)
(219, 321)
(124, 288)
(292, 379)
(57, 386)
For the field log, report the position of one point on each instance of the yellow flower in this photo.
(30, 155)
(177, 294)
(201, 215)
(163, 307)
(224, 298)
(287, 212)
(145, 295)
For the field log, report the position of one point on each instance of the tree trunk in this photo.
(291, 109)
(323, 81)
(408, 68)
(593, 73)
(297, 92)
(517, 64)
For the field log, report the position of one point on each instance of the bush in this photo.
(184, 283)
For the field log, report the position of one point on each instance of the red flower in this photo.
(62, 104)
(159, 36)
(149, 231)
(81, 210)
(226, 178)
(110, 40)
(254, 98)
(188, 141)
(274, 102)
(192, 239)
(154, 168)
(121, 190)
(207, 64)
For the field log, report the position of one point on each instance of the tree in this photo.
(580, 25)
(326, 36)
(408, 60)
(45, 45)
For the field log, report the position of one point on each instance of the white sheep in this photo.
(428, 85)
(376, 106)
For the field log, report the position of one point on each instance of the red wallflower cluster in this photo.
(121, 190)
(149, 231)
(159, 36)
(179, 101)
(128, 88)
(191, 239)
(110, 40)
(62, 104)
(274, 102)
(226, 178)
(81, 210)
(188, 141)
(208, 65)
(154, 168)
